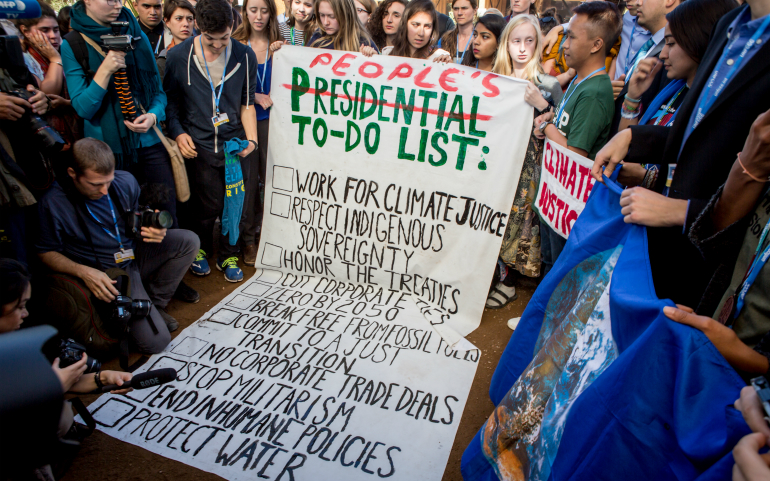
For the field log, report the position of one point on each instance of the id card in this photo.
(124, 255)
(220, 119)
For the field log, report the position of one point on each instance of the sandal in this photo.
(500, 296)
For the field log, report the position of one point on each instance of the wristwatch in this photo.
(543, 125)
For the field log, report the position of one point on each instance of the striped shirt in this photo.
(299, 35)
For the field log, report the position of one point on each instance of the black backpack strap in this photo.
(80, 49)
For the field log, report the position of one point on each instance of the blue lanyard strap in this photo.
(757, 262)
(630, 44)
(261, 79)
(457, 51)
(708, 100)
(208, 74)
(114, 220)
(662, 113)
(566, 98)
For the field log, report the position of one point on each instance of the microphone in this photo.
(146, 379)
(19, 9)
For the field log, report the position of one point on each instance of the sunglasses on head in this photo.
(547, 19)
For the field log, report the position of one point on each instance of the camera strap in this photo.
(85, 414)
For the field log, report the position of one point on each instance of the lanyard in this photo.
(757, 262)
(261, 79)
(457, 50)
(708, 100)
(566, 98)
(114, 219)
(157, 45)
(630, 44)
(662, 113)
(292, 36)
(208, 74)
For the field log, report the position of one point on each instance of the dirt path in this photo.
(103, 457)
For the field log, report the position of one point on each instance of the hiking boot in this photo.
(200, 266)
(186, 293)
(250, 255)
(171, 323)
(229, 266)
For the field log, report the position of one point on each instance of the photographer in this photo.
(83, 233)
(14, 295)
(93, 87)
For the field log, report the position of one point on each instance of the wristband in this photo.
(99, 384)
(753, 177)
(255, 144)
(631, 99)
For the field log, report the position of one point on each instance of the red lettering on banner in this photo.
(560, 206)
(404, 70)
(551, 205)
(419, 80)
(564, 227)
(572, 177)
(570, 219)
(492, 90)
(563, 159)
(323, 59)
(548, 157)
(542, 201)
(340, 64)
(583, 173)
(377, 72)
(444, 80)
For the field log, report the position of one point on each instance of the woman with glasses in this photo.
(364, 9)
(89, 73)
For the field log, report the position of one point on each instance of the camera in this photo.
(117, 41)
(146, 217)
(71, 352)
(49, 139)
(124, 308)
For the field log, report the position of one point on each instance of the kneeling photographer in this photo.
(92, 226)
(76, 372)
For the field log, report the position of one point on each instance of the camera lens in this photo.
(92, 365)
(140, 308)
(158, 220)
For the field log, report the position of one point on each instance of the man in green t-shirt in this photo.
(583, 119)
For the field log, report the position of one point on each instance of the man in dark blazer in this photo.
(651, 16)
(702, 155)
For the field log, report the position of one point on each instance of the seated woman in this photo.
(732, 232)
(519, 57)
(41, 41)
(384, 22)
(179, 18)
(340, 28)
(486, 38)
(685, 43)
(416, 38)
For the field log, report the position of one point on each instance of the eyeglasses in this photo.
(362, 10)
(113, 3)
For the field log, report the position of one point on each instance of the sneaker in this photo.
(200, 266)
(250, 255)
(186, 293)
(171, 323)
(229, 266)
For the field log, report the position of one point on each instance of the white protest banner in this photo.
(565, 183)
(389, 184)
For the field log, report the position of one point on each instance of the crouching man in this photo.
(83, 233)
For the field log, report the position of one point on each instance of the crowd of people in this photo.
(672, 90)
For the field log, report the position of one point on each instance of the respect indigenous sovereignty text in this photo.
(389, 185)
(565, 184)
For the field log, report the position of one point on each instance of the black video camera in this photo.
(124, 308)
(146, 217)
(117, 40)
(71, 352)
